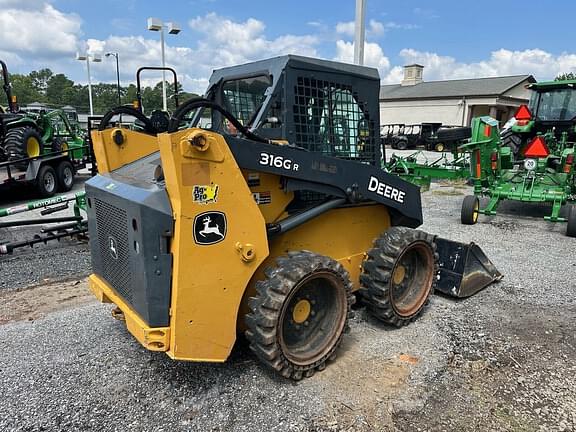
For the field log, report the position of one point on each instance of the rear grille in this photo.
(112, 228)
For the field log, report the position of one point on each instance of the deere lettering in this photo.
(386, 190)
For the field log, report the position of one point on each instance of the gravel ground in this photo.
(501, 360)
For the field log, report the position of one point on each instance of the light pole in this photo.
(155, 24)
(117, 74)
(359, 32)
(96, 59)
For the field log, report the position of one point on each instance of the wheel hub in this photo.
(399, 274)
(301, 311)
(32, 147)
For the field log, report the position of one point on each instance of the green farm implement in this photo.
(53, 228)
(418, 169)
(537, 168)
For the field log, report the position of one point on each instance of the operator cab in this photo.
(553, 104)
(317, 105)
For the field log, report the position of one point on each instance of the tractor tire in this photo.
(59, 145)
(512, 140)
(454, 134)
(399, 275)
(571, 227)
(299, 313)
(402, 144)
(46, 181)
(470, 210)
(65, 173)
(21, 143)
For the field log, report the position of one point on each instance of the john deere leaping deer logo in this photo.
(209, 228)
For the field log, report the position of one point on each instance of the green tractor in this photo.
(27, 135)
(532, 162)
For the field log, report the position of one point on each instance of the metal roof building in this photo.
(451, 102)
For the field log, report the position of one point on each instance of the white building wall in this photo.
(519, 91)
(452, 112)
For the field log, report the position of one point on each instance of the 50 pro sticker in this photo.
(205, 194)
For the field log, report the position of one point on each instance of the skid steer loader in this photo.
(261, 211)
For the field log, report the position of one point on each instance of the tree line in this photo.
(56, 90)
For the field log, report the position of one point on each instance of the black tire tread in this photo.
(265, 310)
(571, 226)
(15, 143)
(40, 187)
(377, 272)
(467, 210)
(62, 187)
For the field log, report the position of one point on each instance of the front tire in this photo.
(59, 145)
(399, 275)
(299, 313)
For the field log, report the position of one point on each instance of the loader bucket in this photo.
(463, 268)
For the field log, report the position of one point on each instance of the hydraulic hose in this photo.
(148, 126)
(188, 106)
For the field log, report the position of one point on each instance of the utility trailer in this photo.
(47, 174)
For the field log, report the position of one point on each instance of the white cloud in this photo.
(221, 42)
(345, 28)
(541, 64)
(36, 28)
(373, 55)
(224, 42)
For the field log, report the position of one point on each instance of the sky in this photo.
(452, 39)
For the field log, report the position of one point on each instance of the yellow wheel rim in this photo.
(399, 275)
(301, 311)
(476, 212)
(65, 148)
(32, 147)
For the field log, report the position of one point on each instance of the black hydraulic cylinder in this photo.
(292, 222)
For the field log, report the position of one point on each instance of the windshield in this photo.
(554, 105)
(244, 97)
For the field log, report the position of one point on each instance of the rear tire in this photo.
(470, 210)
(571, 227)
(65, 174)
(22, 143)
(399, 275)
(299, 313)
(512, 140)
(46, 181)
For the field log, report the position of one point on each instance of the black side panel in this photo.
(355, 180)
(130, 228)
